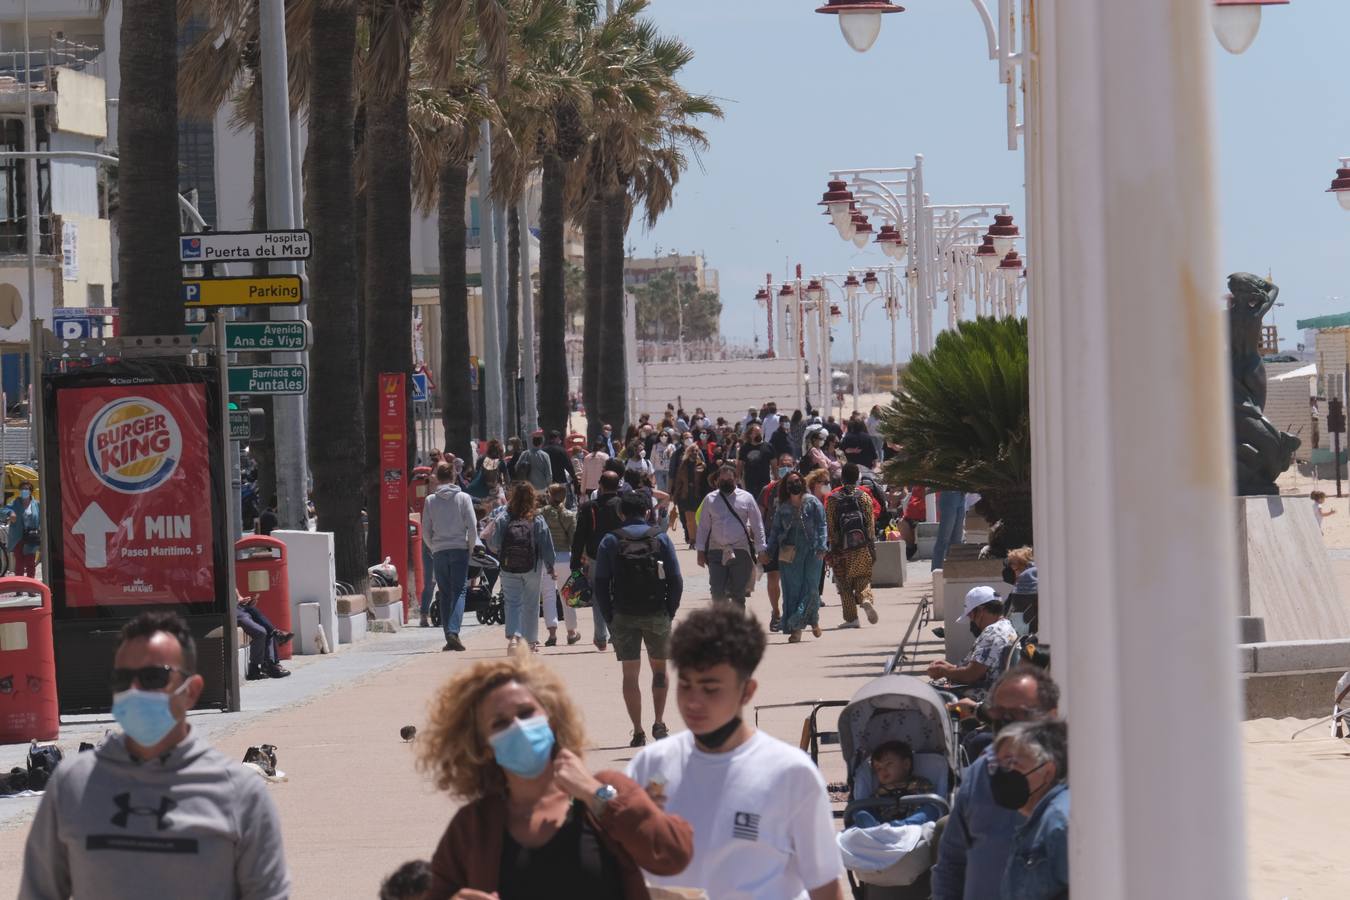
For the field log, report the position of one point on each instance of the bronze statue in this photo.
(1263, 451)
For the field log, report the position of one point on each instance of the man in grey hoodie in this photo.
(155, 811)
(449, 530)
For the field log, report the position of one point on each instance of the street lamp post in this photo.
(943, 239)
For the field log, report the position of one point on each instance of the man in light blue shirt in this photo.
(973, 852)
(730, 538)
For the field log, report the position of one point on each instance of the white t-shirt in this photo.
(761, 818)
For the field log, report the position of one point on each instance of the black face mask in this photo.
(796, 488)
(975, 629)
(1010, 788)
(1008, 574)
(719, 736)
(726, 487)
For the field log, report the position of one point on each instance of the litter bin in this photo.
(28, 707)
(420, 485)
(260, 570)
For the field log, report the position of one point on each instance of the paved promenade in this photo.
(355, 808)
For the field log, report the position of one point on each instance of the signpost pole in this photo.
(37, 348)
(289, 426)
(232, 690)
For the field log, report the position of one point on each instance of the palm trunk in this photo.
(456, 403)
(335, 458)
(147, 217)
(614, 365)
(359, 233)
(552, 300)
(590, 339)
(513, 386)
(1012, 527)
(388, 266)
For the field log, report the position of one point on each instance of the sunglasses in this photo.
(150, 678)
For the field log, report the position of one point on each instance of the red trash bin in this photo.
(260, 570)
(28, 707)
(420, 485)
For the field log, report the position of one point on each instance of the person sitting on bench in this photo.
(264, 638)
(994, 634)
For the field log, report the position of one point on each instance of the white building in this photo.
(73, 258)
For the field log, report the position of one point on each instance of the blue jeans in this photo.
(521, 590)
(428, 581)
(452, 576)
(951, 524)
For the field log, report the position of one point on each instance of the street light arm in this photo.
(95, 157)
(990, 32)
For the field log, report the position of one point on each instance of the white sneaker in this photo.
(854, 624)
(871, 612)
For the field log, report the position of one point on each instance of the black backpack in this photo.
(849, 522)
(639, 583)
(518, 554)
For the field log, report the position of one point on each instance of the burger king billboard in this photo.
(138, 511)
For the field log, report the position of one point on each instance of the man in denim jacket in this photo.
(976, 842)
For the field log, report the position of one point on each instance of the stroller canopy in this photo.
(914, 712)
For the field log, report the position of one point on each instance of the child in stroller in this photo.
(893, 767)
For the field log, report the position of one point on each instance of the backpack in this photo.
(849, 522)
(639, 583)
(517, 554)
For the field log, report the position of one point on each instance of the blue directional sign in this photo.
(419, 384)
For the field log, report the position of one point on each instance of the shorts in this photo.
(629, 633)
(772, 564)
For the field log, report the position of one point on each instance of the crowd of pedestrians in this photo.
(720, 808)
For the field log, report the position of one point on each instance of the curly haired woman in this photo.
(504, 736)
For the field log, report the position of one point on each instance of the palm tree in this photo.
(643, 118)
(388, 183)
(962, 414)
(448, 107)
(337, 460)
(147, 219)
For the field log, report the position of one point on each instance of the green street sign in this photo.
(275, 380)
(247, 424)
(262, 336)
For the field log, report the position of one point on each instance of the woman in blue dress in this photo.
(797, 539)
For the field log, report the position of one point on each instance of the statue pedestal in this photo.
(1284, 574)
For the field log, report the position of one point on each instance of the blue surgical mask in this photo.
(145, 716)
(525, 748)
(783, 471)
(25, 493)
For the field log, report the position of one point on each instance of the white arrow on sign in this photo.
(95, 526)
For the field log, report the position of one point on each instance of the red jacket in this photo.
(633, 829)
(916, 507)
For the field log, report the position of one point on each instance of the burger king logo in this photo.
(133, 445)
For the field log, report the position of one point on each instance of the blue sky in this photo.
(798, 102)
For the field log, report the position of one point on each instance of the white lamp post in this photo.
(860, 20)
(1340, 185)
(1236, 22)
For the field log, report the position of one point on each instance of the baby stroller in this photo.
(903, 708)
(478, 596)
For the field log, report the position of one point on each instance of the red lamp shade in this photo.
(1340, 186)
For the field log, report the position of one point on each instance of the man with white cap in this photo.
(993, 635)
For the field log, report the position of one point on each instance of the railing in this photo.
(14, 237)
(16, 67)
